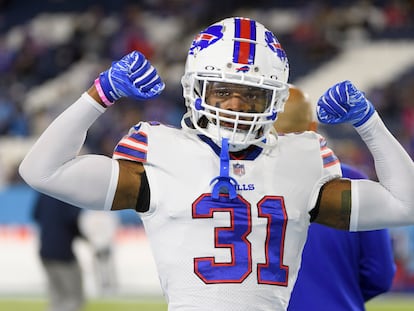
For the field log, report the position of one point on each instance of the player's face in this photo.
(237, 98)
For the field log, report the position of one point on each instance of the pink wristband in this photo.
(102, 94)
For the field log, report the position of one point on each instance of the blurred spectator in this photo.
(58, 228)
(132, 34)
(99, 227)
(403, 246)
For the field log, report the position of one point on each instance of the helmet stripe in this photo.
(244, 41)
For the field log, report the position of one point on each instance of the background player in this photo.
(340, 270)
(58, 224)
(225, 203)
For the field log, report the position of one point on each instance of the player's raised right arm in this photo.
(53, 165)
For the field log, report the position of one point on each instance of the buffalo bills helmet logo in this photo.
(275, 46)
(206, 38)
(243, 69)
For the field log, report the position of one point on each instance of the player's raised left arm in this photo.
(372, 205)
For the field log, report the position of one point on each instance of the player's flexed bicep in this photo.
(333, 207)
(132, 190)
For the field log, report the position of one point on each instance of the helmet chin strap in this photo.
(224, 184)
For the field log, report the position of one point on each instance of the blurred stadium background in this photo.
(50, 51)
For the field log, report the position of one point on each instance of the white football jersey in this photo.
(218, 253)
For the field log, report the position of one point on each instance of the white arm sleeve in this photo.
(391, 201)
(53, 166)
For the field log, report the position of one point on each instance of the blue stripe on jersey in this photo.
(244, 52)
(139, 136)
(329, 159)
(130, 153)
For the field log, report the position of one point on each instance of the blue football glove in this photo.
(343, 102)
(132, 76)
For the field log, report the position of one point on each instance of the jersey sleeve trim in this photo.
(328, 157)
(133, 146)
(353, 222)
(317, 188)
(110, 194)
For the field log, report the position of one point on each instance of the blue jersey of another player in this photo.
(341, 270)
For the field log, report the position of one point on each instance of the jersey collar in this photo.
(248, 154)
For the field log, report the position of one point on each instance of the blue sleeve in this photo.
(377, 267)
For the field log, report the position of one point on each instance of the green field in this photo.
(92, 305)
(382, 304)
(392, 303)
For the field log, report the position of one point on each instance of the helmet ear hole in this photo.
(203, 122)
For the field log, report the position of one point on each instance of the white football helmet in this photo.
(236, 51)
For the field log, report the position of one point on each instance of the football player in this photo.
(226, 204)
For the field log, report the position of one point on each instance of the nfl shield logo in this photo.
(238, 169)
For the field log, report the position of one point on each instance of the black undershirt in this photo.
(144, 195)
